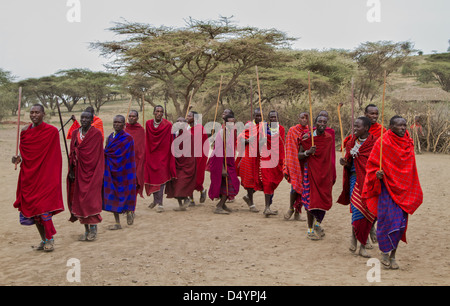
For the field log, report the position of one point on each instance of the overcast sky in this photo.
(38, 39)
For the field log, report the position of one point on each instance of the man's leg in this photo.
(249, 200)
(220, 207)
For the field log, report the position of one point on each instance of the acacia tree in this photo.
(182, 58)
(373, 60)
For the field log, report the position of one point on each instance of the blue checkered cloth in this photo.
(119, 182)
(392, 222)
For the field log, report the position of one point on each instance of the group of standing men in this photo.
(137, 160)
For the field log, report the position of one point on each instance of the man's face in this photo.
(359, 128)
(372, 114)
(303, 119)
(273, 117)
(158, 113)
(36, 115)
(257, 116)
(118, 124)
(86, 119)
(321, 124)
(225, 112)
(190, 118)
(132, 118)
(399, 127)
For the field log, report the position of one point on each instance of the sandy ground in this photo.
(200, 248)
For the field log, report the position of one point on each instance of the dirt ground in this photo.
(199, 248)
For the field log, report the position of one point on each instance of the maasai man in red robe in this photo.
(333, 134)
(135, 129)
(160, 163)
(224, 180)
(357, 152)
(394, 192)
(201, 152)
(97, 123)
(39, 193)
(272, 160)
(248, 161)
(292, 170)
(371, 112)
(85, 177)
(185, 163)
(318, 173)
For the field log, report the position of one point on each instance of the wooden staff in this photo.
(340, 125)
(217, 106)
(62, 129)
(189, 105)
(143, 110)
(129, 106)
(251, 100)
(382, 117)
(353, 110)
(259, 98)
(310, 110)
(18, 125)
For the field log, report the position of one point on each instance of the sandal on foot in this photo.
(49, 245)
(40, 246)
(394, 265)
(114, 227)
(221, 211)
(313, 236)
(130, 217)
(253, 209)
(92, 235)
(203, 196)
(289, 214)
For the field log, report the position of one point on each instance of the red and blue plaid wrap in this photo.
(119, 183)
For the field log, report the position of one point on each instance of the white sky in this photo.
(36, 39)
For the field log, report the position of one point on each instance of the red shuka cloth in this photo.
(217, 161)
(200, 142)
(160, 163)
(362, 226)
(375, 130)
(39, 185)
(138, 133)
(292, 169)
(97, 123)
(184, 185)
(360, 166)
(400, 173)
(272, 161)
(248, 160)
(321, 171)
(85, 193)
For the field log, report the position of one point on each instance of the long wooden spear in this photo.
(18, 125)
(189, 105)
(143, 110)
(353, 110)
(62, 129)
(217, 106)
(342, 131)
(260, 104)
(382, 119)
(129, 106)
(310, 110)
(251, 100)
